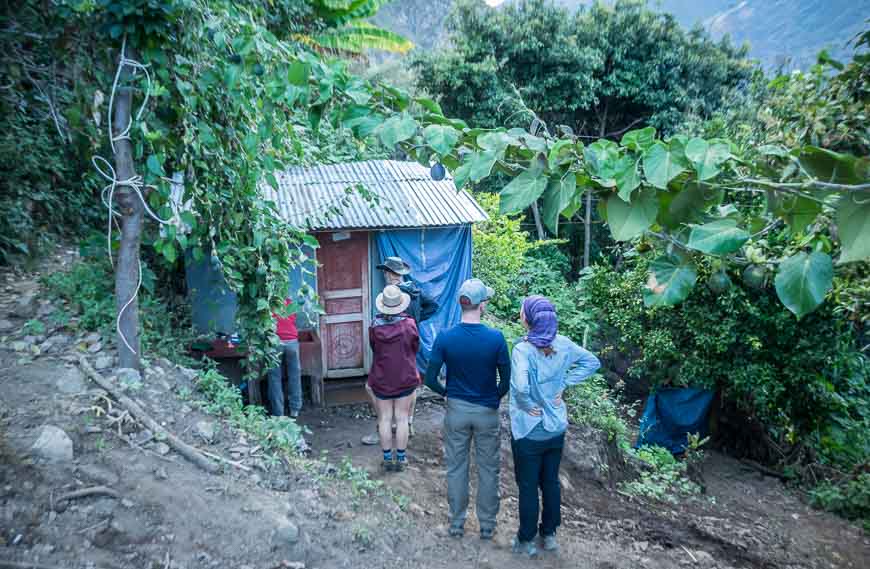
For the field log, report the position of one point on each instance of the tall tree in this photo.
(600, 71)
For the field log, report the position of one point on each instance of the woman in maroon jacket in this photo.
(393, 378)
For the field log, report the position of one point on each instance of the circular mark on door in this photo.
(346, 344)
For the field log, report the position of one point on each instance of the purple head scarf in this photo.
(541, 316)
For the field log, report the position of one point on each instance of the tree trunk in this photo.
(587, 225)
(127, 266)
(536, 214)
(587, 228)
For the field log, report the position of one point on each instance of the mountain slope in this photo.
(786, 33)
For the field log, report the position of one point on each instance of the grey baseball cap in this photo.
(474, 291)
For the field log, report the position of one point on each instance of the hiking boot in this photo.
(487, 533)
(549, 543)
(371, 439)
(456, 532)
(524, 548)
(400, 466)
(388, 466)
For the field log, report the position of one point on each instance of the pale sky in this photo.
(493, 2)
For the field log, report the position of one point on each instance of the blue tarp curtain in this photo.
(672, 414)
(440, 261)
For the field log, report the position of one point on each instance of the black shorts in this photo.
(399, 395)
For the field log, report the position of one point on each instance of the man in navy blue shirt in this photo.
(473, 353)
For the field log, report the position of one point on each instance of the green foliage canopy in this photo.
(599, 71)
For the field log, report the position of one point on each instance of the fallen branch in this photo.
(95, 526)
(25, 565)
(226, 461)
(694, 559)
(192, 454)
(84, 492)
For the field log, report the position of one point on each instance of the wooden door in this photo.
(343, 285)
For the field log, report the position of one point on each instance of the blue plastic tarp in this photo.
(440, 260)
(672, 414)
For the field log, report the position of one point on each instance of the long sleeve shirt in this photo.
(537, 379)
(472, 353)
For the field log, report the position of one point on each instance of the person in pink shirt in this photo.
(288, 357)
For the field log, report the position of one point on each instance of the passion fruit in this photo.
(719, 283)
(438, 172)
(755, 276)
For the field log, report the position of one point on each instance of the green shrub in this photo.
(665, 478)
(280, 434)
(537, 276)
(88, 289)
(850, 499)
(592, 403)
(804, 380)
(500, 246)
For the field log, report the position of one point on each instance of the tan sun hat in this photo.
(392, 301)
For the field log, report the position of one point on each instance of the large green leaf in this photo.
(661, 164)
(853, 226)
(297, 74)
(397, 129)
(441, 138)
(557, 197)
(561, 152)
(670, 281)
(524, 189)
(803, 281)
(627, 176)
(496, 141)
(601, 158)
(718, 237)
(639, 140)
(680, 206)
(796, 211)
(707, 158)
(832, 167)
(359, 37)
(627, 221)
(462, 174)
(481, 163)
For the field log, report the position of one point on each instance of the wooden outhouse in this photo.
(360, 213)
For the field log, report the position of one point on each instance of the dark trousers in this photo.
(536, 466)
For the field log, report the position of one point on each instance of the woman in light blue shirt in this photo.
(543, 364)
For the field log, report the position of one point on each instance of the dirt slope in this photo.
(170, 514)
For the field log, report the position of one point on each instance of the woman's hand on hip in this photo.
(535, 412)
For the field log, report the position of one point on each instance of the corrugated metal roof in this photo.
(396, 194)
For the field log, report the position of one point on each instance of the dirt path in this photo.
(171, 515)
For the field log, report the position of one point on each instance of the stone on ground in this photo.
(129, 378)
(53, 444)
(103, 362)
(26, 306)
(205, 430)
(286, 533)
(71, 381)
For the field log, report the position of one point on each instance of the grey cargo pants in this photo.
(463, 422)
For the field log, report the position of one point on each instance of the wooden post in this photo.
(128, 265)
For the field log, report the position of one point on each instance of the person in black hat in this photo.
(422, 308)
(395, 270)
